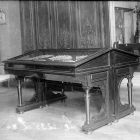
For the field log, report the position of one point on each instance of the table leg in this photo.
(87, 99)
(129, 85)
(19, 88)
(63, 88)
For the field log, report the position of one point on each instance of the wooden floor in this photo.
(62, 121)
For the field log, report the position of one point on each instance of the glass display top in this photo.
(57, 56)
(60, 58)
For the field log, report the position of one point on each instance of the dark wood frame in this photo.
(104, 68)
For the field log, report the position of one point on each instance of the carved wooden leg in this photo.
(19, 88)
(44, 90)
(40, 89)
(129, 86)
(87, 99)
(63, 88)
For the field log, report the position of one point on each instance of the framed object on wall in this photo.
(2, 17)
(124, 25)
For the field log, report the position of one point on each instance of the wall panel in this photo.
(27, 26)
(65, 24)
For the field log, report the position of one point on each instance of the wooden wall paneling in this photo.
(73, 24)
(105, 24)
(43, 25)
(88, 25)
(93, 24)
(78, 24)
(97, 23)
(64, 24)
(27, 26)
(53, 24)
(64, 39)
(101, 39)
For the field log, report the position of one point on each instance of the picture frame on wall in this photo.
(2, 17)
(124, 25)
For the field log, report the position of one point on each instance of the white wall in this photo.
(10, 33)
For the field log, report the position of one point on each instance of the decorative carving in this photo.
(99, 100)
(129, 95)
(119, 81)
